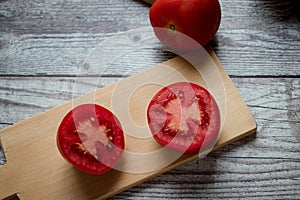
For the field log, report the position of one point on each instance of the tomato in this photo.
(185, 117)
(91, 138)
(185, 24)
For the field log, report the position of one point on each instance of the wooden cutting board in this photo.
(36, 170)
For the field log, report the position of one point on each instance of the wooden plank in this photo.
(40, 38)
(56, 17)
(31, 144)
(269, 155)
(279, 99)
(63, 54)
(220, 177)
(30, 96)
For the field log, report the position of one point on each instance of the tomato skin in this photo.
(71, 139)
(205, 131)
(184, 22)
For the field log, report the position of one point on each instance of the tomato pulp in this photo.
(91, 138)
(185, 117)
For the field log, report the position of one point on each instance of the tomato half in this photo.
(91, 138)
(185, 117)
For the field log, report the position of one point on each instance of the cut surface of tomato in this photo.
(91, 138)
(185, 117)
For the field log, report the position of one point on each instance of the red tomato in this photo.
(179, 23)
(184, 117)
(91, 138)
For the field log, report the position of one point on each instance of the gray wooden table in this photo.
(43, 43)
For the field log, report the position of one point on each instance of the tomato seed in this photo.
(109, 147)
(78, 148)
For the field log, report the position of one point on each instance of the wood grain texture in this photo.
(274, 104)
(42, 44)
(44, 174)
(265, 164)
(217, 177)
(62, 55)
(42, 38)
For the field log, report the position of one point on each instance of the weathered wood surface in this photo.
(52, 38)
(29, 142)
(42, 44)
(267, 163)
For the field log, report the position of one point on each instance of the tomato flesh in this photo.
(91, 138)
(184, 117)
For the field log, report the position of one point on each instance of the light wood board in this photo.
(36, 170)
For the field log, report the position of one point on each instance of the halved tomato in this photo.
(91, 138)
(185, 117)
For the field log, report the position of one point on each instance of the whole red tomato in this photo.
(185, 24)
